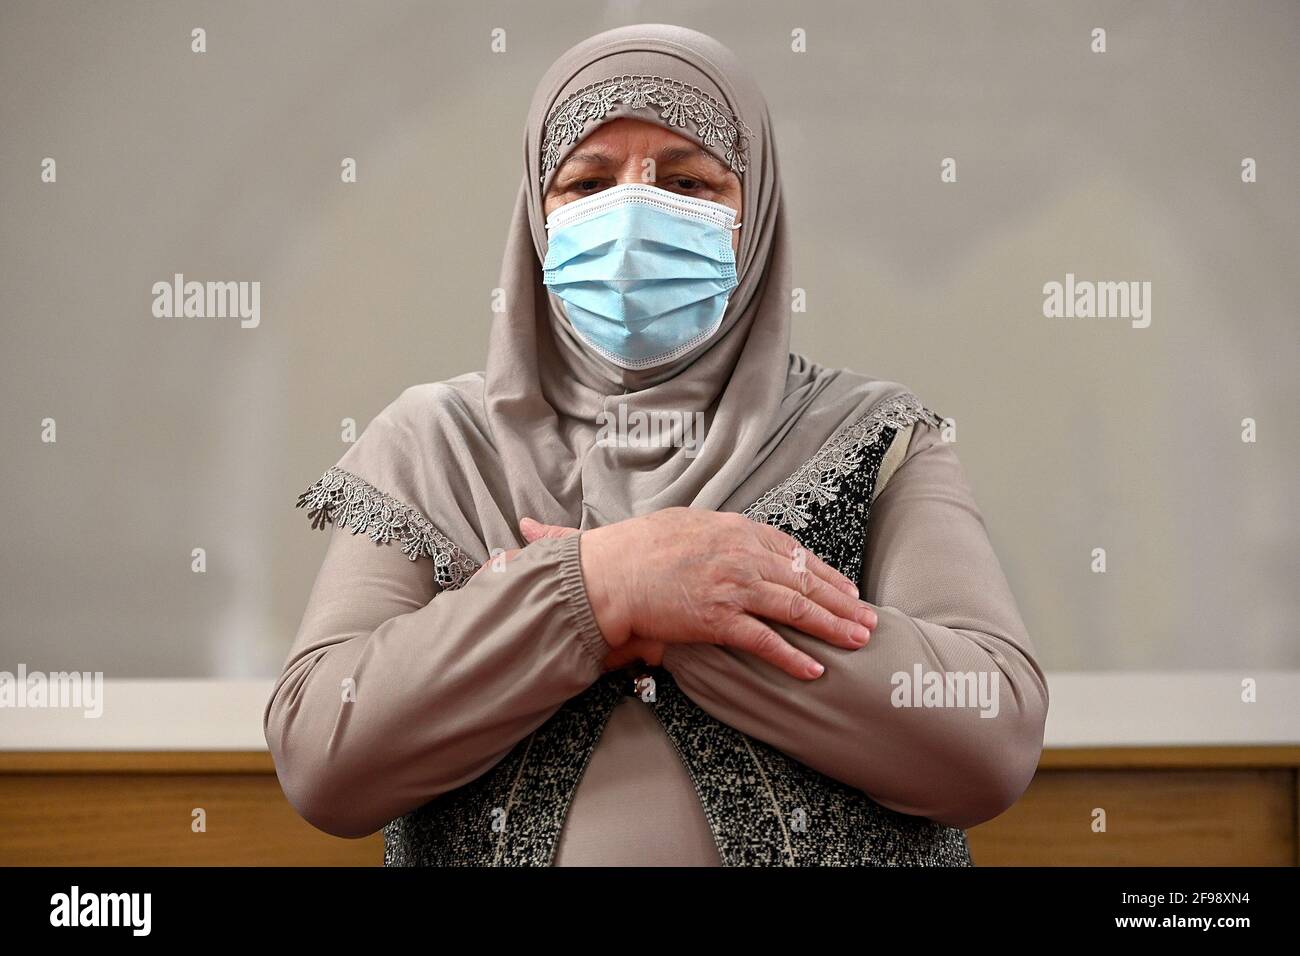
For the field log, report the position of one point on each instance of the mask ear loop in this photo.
(736, 226)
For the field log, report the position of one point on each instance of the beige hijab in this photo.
(483, 450)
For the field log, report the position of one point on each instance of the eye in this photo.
(586, 185)
(685, 183)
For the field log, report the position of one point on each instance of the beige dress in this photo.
(393, 693)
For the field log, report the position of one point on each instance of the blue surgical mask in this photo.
(644, 273)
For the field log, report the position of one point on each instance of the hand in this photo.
(636, 649)
(649, 652)
(686, 575)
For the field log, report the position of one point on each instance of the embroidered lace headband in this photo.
(680, 104)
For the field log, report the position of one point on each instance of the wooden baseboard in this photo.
(1190, 806)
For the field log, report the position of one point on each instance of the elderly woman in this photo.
(651, 589)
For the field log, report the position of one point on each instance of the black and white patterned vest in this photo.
(764, 807)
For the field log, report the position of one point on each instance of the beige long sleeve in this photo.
(394, 693)
(446, 683)
(944, 604)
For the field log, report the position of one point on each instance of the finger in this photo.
(810, 585)
(534, 530)
(749, 634)
(787, 606)
(497, 561)
(800, 558)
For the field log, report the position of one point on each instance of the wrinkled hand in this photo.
(687, 575)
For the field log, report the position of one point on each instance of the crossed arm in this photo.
(943, 602)
(394, 693)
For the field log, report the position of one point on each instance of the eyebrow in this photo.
(668, 154)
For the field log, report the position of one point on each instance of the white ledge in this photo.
(1175, 709)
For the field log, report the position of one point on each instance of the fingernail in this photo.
(816, 670)
(867, 616)
(861, 635)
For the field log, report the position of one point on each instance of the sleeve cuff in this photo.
(574, 591)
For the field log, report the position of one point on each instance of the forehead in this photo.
(629, 130)
(625, 137)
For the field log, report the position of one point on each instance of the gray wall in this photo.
(175, 433)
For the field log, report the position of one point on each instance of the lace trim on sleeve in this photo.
(817, 480)
(344, 499)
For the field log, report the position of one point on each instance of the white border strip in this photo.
(1188, 708)
(1191, 708)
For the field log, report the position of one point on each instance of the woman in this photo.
(623, 625)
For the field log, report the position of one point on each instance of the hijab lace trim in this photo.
(817, 481)
(350, 501)
(347, 500)
(678, 103)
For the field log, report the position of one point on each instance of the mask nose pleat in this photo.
(565, 251)
(641, 301)
(646, 302)
(623, 261)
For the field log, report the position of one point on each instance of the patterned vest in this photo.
(764, 807)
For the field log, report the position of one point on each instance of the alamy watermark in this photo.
(1083, 299)
(82, 690)
(75, 908)
(650, 429)
(179, 299)
(922, 688)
